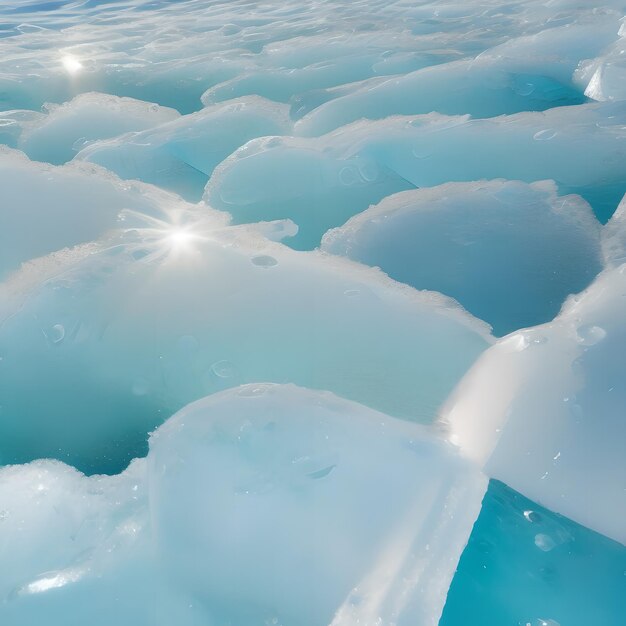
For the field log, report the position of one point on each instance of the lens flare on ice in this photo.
(54, 580)
(71, 64)
(181, 238)
(170, 234)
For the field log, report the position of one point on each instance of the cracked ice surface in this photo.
(258, 263)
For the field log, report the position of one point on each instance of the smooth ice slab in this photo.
(99, 350)
(320, 182)
(306, 509)
(317, 183)
(182, 154)
(260, 504)
(509, 252)
(543, 409)
(297, 70)
(67, 128)
(530, 73)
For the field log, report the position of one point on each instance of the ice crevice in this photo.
(312, 314)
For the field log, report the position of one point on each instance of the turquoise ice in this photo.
(312, 313)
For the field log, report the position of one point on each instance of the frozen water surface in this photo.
(163, 315)
(546, 558)
(447, 238)
(312, 313)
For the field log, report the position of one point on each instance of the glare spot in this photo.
(71, 64)
(130, 528)
(180, 239)
(53, 581)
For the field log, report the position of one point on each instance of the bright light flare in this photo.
(71, 64)
(54, 580)
(181, 239)
(177, 235)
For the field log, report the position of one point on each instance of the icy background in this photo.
(312, 313)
